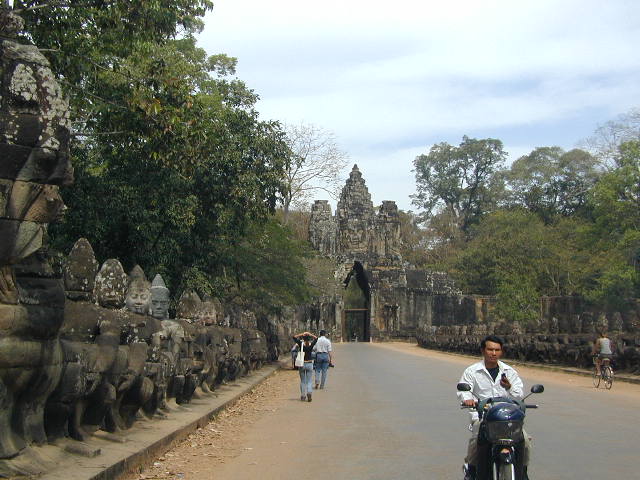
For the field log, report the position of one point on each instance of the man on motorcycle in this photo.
(489, 378)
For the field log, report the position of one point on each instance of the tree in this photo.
(267, 268)
(549, 181)
(163, 133)
(88, 42)
(459, 180)
(614, 240)
(606, 140)
(415, 244)
(316, 164)
(512, 254)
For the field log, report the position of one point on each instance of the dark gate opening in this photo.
(357, 298)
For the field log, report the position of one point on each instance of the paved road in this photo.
(389, 412)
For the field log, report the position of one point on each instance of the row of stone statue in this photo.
(114, 355)
(564, 341)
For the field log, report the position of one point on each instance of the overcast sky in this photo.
(392, 78)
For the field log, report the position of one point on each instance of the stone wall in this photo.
(564, 334)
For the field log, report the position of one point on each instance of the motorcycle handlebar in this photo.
(462, 406)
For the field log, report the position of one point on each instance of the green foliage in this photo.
(614, 235)
(173, 169)
(460, 180)
(354, 297)
(515, 256)
(550, 182)
(560, 226)
(517, 298)
(267, 267)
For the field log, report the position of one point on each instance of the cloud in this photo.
(392, 79)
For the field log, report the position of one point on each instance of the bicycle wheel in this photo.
(596, 379)
(505, 471)
(607, 376)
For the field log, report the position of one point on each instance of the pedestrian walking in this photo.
(324, 358)
(306, 341)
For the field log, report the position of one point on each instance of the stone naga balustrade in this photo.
(562, 339)
(118, 357)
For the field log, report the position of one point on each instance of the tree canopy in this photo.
(553, 223)
(174, 169)
(316, 165)
(459, 180)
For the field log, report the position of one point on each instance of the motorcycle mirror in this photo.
(464, 387)
(537, 388)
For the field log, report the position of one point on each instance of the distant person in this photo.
(294, 354)
(306, 341)
(602, 349)
(324, 358)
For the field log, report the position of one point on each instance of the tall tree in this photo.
(518, 258)
(316, 164)
(549, 181)
(615, 233)
(459, 180)
(163, 131)
(608, 137)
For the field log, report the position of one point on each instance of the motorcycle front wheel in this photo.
(504, 471)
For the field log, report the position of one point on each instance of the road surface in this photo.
(389, 411)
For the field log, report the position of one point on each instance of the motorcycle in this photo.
(501, 438)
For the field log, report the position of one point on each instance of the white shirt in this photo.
(483, 386)
(323, 345)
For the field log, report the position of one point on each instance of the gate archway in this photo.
(356, 321)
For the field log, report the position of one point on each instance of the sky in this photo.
(390, 79)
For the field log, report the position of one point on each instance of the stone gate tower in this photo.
(365, 244)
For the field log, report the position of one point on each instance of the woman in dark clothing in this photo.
(306, 341)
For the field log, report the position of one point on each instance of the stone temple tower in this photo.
(356, 232)
(383, 298)
(354, 216)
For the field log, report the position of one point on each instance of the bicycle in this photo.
(606, 374)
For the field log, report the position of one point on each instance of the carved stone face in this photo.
(111, 285)
(34, 144)
(207, 313)
(138, 298)
(159, 298)
(189, 306)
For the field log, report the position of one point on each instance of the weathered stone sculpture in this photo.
(159, 298)
(138, 299)
(111, 285)
(322, 231)
(34, 161)
(189, 307)
(80, 271)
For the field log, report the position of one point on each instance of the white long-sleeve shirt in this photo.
(483, 386)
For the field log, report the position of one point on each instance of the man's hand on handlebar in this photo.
(469, 403)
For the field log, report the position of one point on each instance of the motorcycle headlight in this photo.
(504, 432)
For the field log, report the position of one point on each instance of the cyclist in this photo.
(601, 349)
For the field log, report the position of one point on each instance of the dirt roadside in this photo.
(223, 438)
